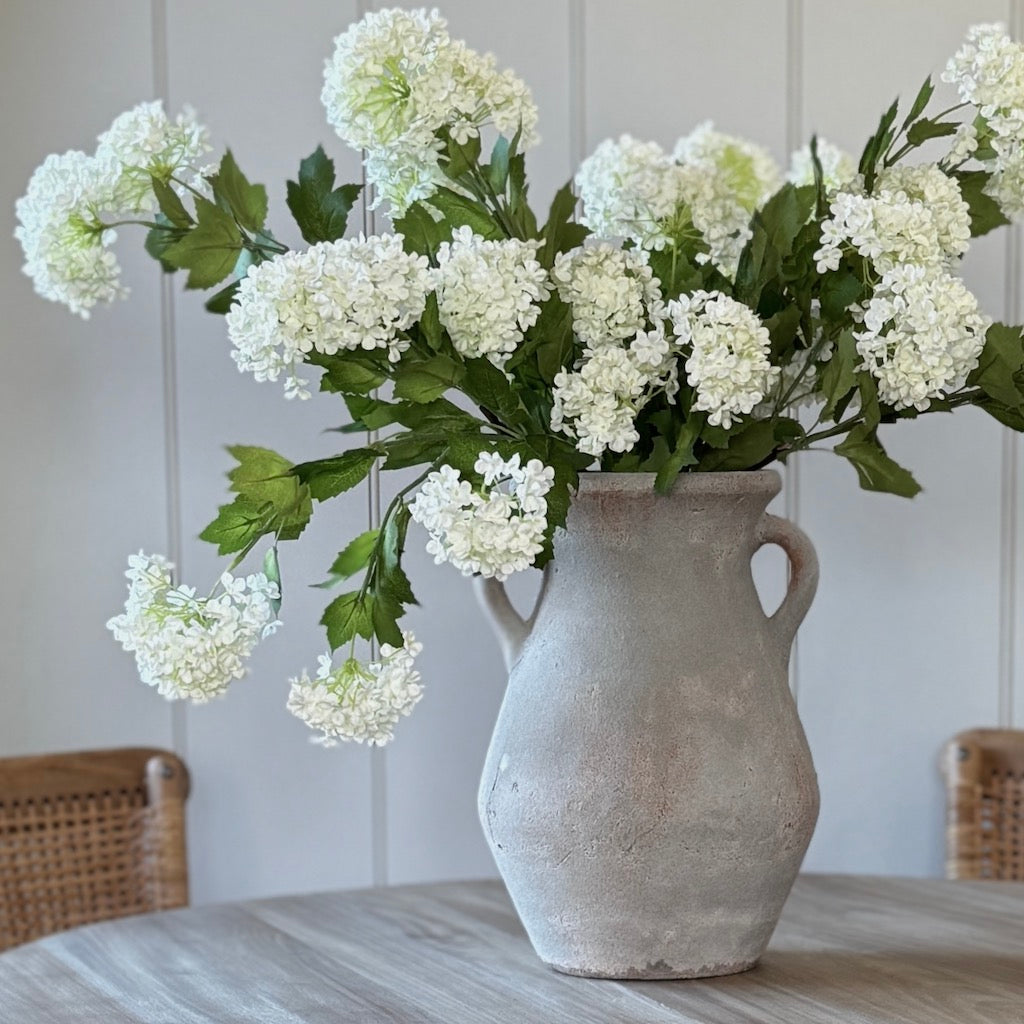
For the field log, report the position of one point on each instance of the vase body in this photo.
(648, 794)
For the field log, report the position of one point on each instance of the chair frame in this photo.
(69, 809)
(984, 772)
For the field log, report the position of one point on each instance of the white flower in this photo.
(630, 189)
(189, 647)
(359, 702)
(357, 293)
(144, 142)
(916, 215)
(838, 168)
(488, 293)
(922, 335)
(726, 179)
(60, 230)
(612, 292)
(963, 146)
(396, 80)
(988, 71)
(729, 365)
(493, 530)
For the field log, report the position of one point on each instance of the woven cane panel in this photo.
(66, 861)
(1001, 826)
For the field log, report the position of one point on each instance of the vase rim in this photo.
(755, 481)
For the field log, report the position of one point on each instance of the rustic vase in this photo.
(648, 794)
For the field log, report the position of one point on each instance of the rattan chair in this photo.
(984, 770)
(89, 836)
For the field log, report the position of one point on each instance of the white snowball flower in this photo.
(612, 292)
(493, 530)
(988, 71)
(630, 189)
(356, 293)
(190, 647)
(145, 142)
(488, 293)
(963, 145)
(60, 230)
(922, 335)
(729, 365)
(726, 179)
(396, 79)
(838, 168)
(359, 702)
(916, 215)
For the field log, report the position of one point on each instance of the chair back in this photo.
(89, 836)
(984, 770)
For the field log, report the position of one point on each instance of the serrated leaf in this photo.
(838, 376)
(170, 204)
(427, 380)
(354, 557)
(160, 239)
(348, 375)
(421, 232)
(264, 477)
(681, 454)
(748, 448)
(462, 156)
(875, 470)
(1001, 358)
(209, 251)
(238, 524)
(560, 234)
(347, 617)
(220, 302)
(927, 128)
(321, 211)
(247, 202)
(385, 613)
(986, 213)
(458, 210)
(840, 289)
(489, 388)
(924, 94)
(327, 478)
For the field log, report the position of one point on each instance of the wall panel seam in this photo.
(169, 358)
(577, 84)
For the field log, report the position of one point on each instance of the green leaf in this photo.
(430, 324)
(681, 455)
(748, 448)
(782, 328)
(239, 524)
(560, 234)
(459, 210)
(928, 128)
(421, 232)
(385, 614)
(160, 239)
(497, 170)
(877, 145)
(355, 556)
(869, 407)
(209, 251)
(347, 617)
(265, 478)
(171, 205)
(272, 570)
(320, 210)
(348, 374)
(1012, 418)
(462, 156)
(1001, 358)
(220, 302)
(838, 377)
(247, 202)
(920, 102)
(554, 329)
(425, 381)
(985, 211)
(876, 471)
(489, 388)
(840, 289)
(327, 478)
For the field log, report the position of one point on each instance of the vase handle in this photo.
(511, 628)
(803, 576)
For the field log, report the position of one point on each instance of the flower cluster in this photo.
(915, 215)
(397, 83)
(922, 336)
(728, 365)
(988, 71)
(726, 178)
(61, 225)
(612, 292)
(838, 168)
(191, 647)
(488, 293)
(630, 189)
(352, 294)
(494, 529)
(356, 701)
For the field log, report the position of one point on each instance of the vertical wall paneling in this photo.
(269, 811)
(83, 467)
(901, 648)
(433, 766)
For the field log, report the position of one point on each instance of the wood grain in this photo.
(848, 949)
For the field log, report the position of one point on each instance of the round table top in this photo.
(858, 949)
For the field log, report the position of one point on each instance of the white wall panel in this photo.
(270, 813)
(900, 649)
(80, 407)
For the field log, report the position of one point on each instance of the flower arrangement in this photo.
(690, 311)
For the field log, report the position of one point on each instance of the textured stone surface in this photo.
(648, 794)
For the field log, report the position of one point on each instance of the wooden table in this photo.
(849, 949)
